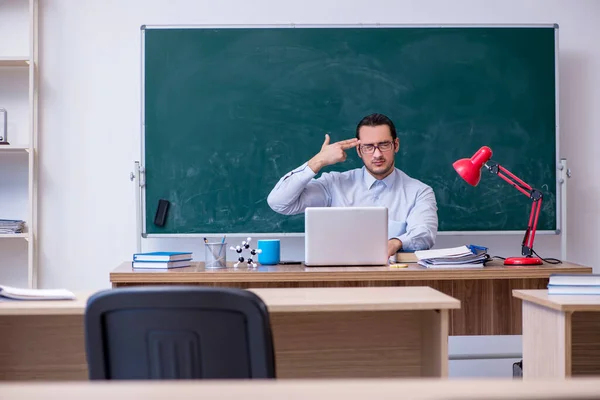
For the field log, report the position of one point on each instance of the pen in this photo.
(222, 243)
(289, 262)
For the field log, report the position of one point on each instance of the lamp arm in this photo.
(534, 194)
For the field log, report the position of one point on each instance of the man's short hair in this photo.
(377, 120)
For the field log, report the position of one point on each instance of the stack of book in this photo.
(161, 260)
(574, 284)
(456, 257)
(404, 257)
(12, 226)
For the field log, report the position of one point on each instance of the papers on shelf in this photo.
(11, 226)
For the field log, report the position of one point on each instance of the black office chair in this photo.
(171, 332)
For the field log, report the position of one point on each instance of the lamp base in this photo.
(523, 261)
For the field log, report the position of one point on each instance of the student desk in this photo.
(561, 335)
(488, 307)
(325, 389)
(317, 333)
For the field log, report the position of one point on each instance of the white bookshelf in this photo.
(9, 61)
(18, 159)
(14, 148)
(14, 236)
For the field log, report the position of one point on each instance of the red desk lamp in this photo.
(470, 170)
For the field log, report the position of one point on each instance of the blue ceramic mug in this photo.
(270, 251)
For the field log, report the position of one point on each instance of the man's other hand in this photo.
(393, 246)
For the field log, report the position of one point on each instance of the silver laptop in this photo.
(346, 236)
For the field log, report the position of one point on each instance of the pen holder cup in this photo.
(215, 255)
(270, 253)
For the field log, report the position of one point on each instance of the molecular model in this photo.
(245, 246)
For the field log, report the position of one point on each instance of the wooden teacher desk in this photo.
(487, 304)
(317, 333)
(561, 335)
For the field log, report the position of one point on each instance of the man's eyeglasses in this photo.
(370, 148)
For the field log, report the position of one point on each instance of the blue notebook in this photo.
(162, 256)
(160, 264)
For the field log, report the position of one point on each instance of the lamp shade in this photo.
(470, 168)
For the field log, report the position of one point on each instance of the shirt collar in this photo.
(370, 179)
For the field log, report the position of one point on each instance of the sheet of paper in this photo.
(36, 294)
(438, 253)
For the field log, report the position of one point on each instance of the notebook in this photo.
(574, 284)
(342, 236)
(164, 256)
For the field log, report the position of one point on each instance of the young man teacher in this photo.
(412, 208)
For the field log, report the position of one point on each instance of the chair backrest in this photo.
(159, 332)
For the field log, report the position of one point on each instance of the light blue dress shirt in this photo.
(412, 208)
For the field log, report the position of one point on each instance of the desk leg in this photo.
(434, 343)
(546, 342)
(366, 344)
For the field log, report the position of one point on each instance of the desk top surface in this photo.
(560, 302)
(45, 307)
(421, 389)
(280, 300)
(301, 273)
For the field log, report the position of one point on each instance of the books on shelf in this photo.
(455, 257)
(12, 226)
(35, 294)
(574, 284)
(161, 260)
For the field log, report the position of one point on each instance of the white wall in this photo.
(14, 28)
(90, 107)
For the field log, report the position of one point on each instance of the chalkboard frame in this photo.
(141, 207)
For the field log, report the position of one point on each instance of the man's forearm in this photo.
(316, 164)
(286, 197)
(418, 239)
(422, 223)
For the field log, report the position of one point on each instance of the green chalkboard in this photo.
(228, 111)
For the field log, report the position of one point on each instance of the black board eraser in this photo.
(161, 212)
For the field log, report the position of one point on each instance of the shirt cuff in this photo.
(406, 242)
(303, 171)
